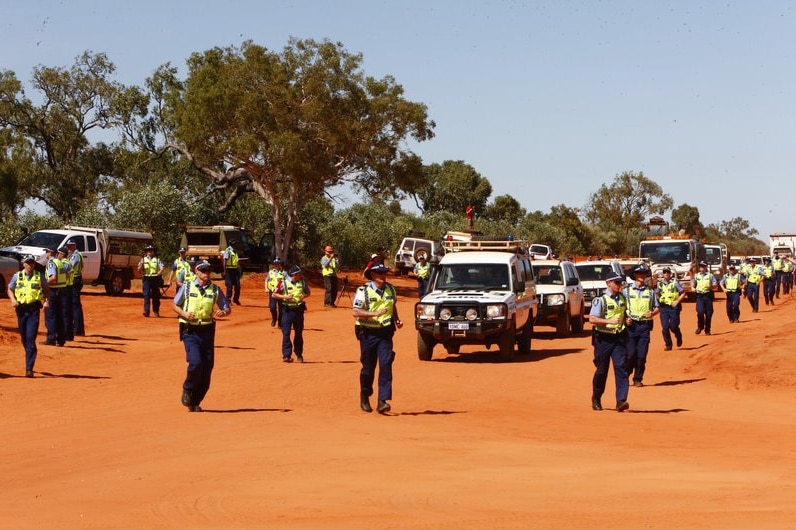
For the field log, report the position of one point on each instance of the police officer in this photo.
(670, 297)
(273, 280)
(292, 293)
(422, 272)
(194, 303)
(787, 275)
(232, 272)
(778, 264)
(608, 315)
(768, 281)
(57, 271)
(76, 261)
(642, 306)
(704, 282)
(28, 292)
(330, 262)
(152, 270)
(68, 296)
(753, 275)
(189, 274)
(732, 284)
(377, 319)
(180, 265)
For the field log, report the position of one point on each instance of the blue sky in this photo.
(548, 100)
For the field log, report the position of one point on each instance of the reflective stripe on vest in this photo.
(768, 271)
(611, 309)
(374, 302)
(274, 277)
(702, 281)
(200, 302)
(60, 274)
(423, 271)
(77, 266)
(150, 266)
(29, 290)
(330, 268)
(639, 303)
(294, 290)
(232, 260)
(731, 283)
(667, 292)
(753, 274)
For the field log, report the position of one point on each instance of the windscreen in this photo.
(666, 252)
(548, 275)
(489, 276)
(713, 255)
(592, 273)
(42, 240)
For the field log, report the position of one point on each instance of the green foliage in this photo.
(504, 208)
(15, 228)
(626, 203)
(58, 165)
(451, 187)
(159, 209)
(686, 218)
(288, 126)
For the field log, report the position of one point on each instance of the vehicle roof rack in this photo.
(517, 246)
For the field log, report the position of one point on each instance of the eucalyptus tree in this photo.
(56, 162)
(287, 126)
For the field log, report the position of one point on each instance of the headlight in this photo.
(425, 311)
(496, 311)
(445, 314)
(555, 299)
(471, 314)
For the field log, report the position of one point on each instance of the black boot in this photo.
(364, 403)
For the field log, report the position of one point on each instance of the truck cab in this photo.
(481, 292)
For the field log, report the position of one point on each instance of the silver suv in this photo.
(561, 302)
(481, 292)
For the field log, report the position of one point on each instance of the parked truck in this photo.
(783, 244)
(209, 242)
(680, 253)
(110, 256)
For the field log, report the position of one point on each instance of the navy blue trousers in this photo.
(638, 345)
(79, 326)
(54, 317)
(704, 310)
(232, 282)
(670, 324)
(734, 306)
(753, 295)
(28, 322)
(768, 290)
(151, 288)
(610, 348)
(376, 348)
(199, 342)
(292, 319)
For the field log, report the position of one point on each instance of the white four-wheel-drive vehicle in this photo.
(561, 302)
(480, 292)
(593, 274)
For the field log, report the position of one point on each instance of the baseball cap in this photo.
(640, 269)
(204, 266)
(295, 269)
(615, 278)
(666, 269)
(28, 258)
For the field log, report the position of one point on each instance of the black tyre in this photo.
(506, 344)
(577, 322)
(115, 286)
(562, 324)
(524, 340)
(452, 349)
(425, 346)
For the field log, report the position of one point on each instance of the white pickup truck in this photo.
(110, 257)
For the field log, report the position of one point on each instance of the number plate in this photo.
(459, 325)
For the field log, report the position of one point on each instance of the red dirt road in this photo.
(98, 439)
